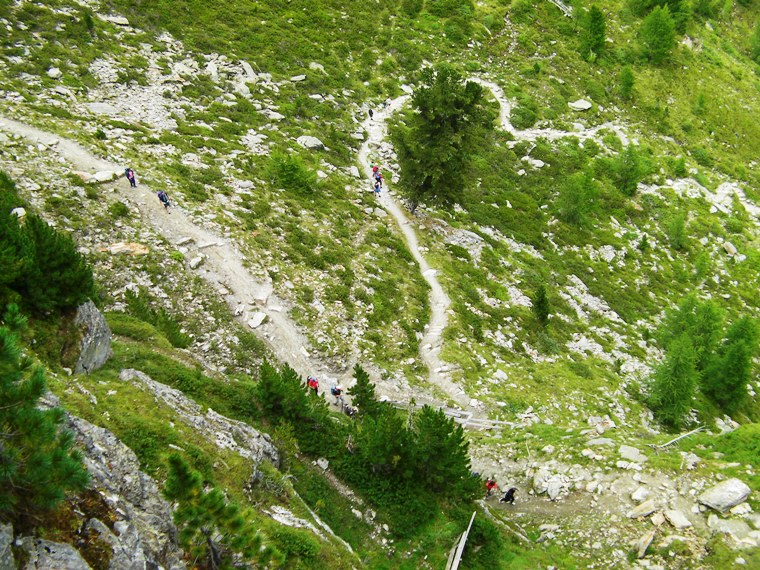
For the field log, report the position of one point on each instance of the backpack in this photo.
(334, 391)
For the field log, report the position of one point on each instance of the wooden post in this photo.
(455, 556)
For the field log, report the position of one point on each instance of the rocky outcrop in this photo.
(44, 555)
(95, 346)
(223, 432)
(143, 529)
(6, 556)
(725, 495)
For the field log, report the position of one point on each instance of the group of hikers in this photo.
(377, 176)
(492, 487)
(163, 197)
(336, 391)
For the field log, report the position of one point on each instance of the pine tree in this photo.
(674, 383)
(702, 321)
(626, 83)
(540, 305)
(730, 369)
(363, 393)
(212, 530)
(755, 44)
(577, 199)
(37, 464)
(593, 32)
(658, 33)
(628, 170)
(435, 150)
(441, 452)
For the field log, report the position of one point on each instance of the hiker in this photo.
(349, 411)
(509, 496)
(371, 114)
(164, 199)
(377, 188)
(337, 391)
(491, 486)
(313, 383)
(130, 174)
(385, 104)
(379, 178)
(375, 169)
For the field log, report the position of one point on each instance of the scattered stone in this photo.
(323, 463)
(729, 248)
(100, 108)
(554, 487)
(118, 20)
(643, 543)
(632, 454)
(658, 519)
(580, 105)
(725, 495)
(257, 319)
(741, 509)
(20, 213)
(737, 529)
(298, 78)
(677, 519)
(54, 73)
(640, 494)
(103, 176)
(195, 262)
(312, 143)
(127, 248)
(644, 509)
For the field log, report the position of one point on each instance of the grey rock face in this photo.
(145, 528)
(725, 495)
(44, 555)
(95, 347)
(6, 556)
(223, 432)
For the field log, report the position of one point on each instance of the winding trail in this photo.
(432, 341)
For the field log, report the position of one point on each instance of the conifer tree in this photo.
(730, 369)
(441, 452)
(37, 464)
(363, 393)
(593, 32)
(658, 34)
(674, 383)
(435, 150)
(212, 530)
(626, 82)
(628, 170)
(702, 321)
(540, 307)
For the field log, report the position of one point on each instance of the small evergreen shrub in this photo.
(290, 172)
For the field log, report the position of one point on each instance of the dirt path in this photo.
(222, 262)
(430, 345)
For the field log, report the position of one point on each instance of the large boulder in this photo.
(44, 555)
(580, 105)
(725, 495)
(95, 346)
(312, 143)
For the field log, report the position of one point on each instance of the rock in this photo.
(677, 519)
(298, 78)
(95, 345)
(249, 73)
(354, 171)
(100, 108)
(126, 550)
(195, 262)
(580, 105)
(640, 494)
(658, 519)
(118, 20)
(729, 248)
(541, 481)
(126, 248)
(737, 529)
(600, 441)
(257, 319)
(631, 454)
(554, 487)
(644, 509)
(54, 73)
(312, 143)
(357, 513)
(725, 495)
(314, 66)
(6, 555)
(690, 460)
(44, 555)
(323, 463)
(643, 543)
(741, 509)
(20, 213)
(103, 176)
